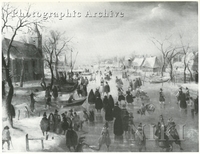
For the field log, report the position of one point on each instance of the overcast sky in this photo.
(130, 31)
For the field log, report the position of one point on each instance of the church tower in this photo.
(35, 38)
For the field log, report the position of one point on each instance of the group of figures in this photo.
(68, 125)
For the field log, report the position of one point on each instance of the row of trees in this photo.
(170, 51)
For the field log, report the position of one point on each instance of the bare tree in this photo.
(172, 54)
(164, 48)
(48, 50)
(60, 44)
(186, 51)
(21, 22)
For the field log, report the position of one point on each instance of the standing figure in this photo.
(183, 104)
(55, 92)
(105, 137)
(71, 138)
(107, 88)
(161, 98)
(102, 87)
(6, 137)
(57, 122)
(32, 105)
(98, 104)
(44, 125)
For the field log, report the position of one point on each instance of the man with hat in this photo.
(161, 98)
(57, 120)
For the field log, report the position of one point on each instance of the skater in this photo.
(161, 99)
(55, 92)
(107, 88)
(32, 105)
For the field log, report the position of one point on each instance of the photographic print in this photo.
(100, 76)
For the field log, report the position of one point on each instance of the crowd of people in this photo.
(69, 122)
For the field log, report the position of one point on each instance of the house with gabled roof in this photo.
(29, 53)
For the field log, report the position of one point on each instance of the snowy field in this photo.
(92, 131)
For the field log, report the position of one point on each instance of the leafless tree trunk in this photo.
(22, 74)
(23, 21)
(186, 51)
(164, 51)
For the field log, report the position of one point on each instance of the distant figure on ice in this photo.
(32, 105)
(6, 137)
(161, 98)
(105, 137)
(55, 92)
(107, 88)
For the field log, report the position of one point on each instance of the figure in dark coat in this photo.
(71, 138)
(32, 105)
(97, 94)
(108, 113)
(44, 125)
(118, 129)
(105, 102)
(51, 122)
(129, 97)
(64, 123)
(106, 88)
(55, 92)
(98, 104)
(57, 122)
(161, 98)
(116, 111)
(91, 97)
(183, 104)
(111, 101)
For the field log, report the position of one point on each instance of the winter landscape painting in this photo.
(100, 77)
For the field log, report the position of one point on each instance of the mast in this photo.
(71, 60)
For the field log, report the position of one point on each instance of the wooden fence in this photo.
(27, 142)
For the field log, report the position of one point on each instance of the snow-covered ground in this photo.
(92, 130)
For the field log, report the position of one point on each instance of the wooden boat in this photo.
(74, 103)
(86, 73)
(159, 80)
(69, 88)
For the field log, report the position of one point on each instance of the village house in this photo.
(28, 53)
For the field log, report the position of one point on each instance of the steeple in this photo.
(35, 37)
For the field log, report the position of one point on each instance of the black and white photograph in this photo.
(100, 76)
